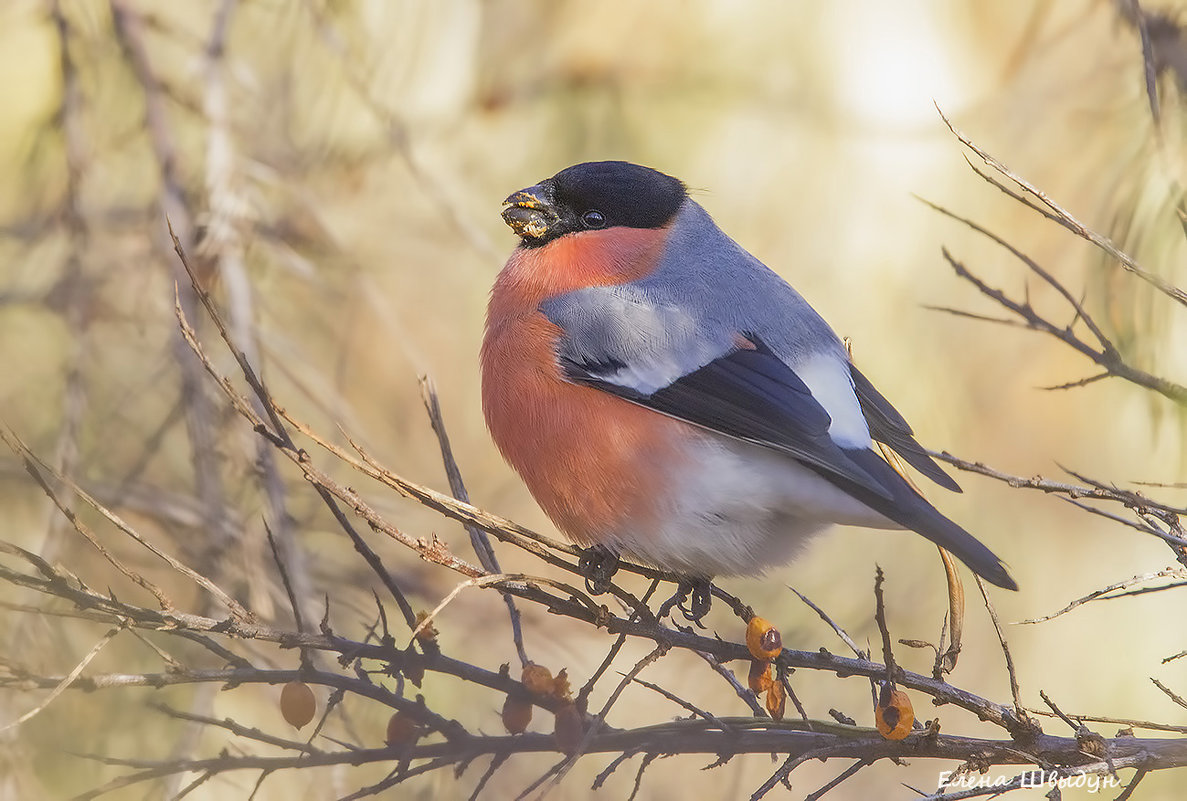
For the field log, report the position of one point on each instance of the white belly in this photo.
(740, 509)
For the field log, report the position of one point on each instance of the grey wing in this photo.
(658, 356)
(630, 338)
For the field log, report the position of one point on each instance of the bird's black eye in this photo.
(594, 219)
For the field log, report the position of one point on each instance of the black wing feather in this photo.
(888, 427)
(751, 395)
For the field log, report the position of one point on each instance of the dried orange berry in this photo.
(893, 715)
(538, 679)
(429, 632)
(759, 679)
(402, 728)
(517, 714)
(569, 729)
(763, 640)
(776, 700)
(560, 685)
(297, 703)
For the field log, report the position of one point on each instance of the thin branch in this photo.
(478, 538)
(238, 729)
(587, 688)
(1073, 725)
(596, 725)
(880, 620)
(1106, 357)
(33, 467)
(1022, 724)
(1127, 722)
(1107, 347)
(65, 683)
(791, 763)
(1095, 594)
(1126, 498)
(1081, 382)
(671, 696)
(1059, 215)
(1178, 699)
(1128, 792)
(397, 133)
(845, 774)
(840, 632)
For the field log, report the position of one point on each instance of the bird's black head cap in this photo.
(592, 195)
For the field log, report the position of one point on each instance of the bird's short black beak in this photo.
(530, 212)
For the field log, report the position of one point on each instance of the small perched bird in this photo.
(667, 397)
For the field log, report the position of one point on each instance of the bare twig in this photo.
(1105, 591)
(239, 730)
(845, 774)
(1178, 699)
(671, 696)
(478, 537)
(1057, 214)
(880, 620)
(1127, 722)
(66, 681)
(1132, 500)
(1105, 356)
(1021, 725)
(845, 638)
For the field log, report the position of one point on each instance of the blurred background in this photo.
(335, 168)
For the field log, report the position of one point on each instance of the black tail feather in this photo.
(910, 510)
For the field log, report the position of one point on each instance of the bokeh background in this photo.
(347, 160)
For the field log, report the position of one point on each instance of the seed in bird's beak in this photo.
(526, 221)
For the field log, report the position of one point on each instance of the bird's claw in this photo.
(693, 598)
(699, 593)
(598, 565)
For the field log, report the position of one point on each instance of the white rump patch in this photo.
(831, 384)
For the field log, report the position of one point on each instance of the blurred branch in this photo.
(1037, 200)
(66, 681)
(398, 134)
(198, 406)
(221, 243)
(70, 294)
(1164, 48)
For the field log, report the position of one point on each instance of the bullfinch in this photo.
(667, 397)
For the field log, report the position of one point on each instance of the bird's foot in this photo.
(693, 598)
(598, 565)
(700, 599)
